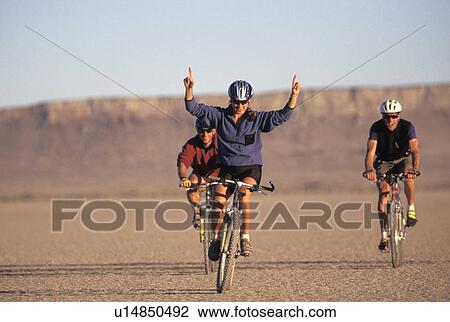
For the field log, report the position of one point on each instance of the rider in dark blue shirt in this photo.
(392, 148)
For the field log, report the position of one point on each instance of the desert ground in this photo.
(287, 265)
(120, 148)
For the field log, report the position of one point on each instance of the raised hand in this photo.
(296, 86)
(189, 80)
(295, 92)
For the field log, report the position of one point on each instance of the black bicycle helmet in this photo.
(202, 124)
(240, 91)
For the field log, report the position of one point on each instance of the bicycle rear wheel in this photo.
(229, 247)
(205, 240)
(395, 241)
(212, 265)
(206, 235)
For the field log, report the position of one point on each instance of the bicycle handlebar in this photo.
(388, 177)
(214, 181)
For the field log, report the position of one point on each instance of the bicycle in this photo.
(396, 217)
(205, 232)
(230, 233)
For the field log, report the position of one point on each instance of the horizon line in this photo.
(209, 94)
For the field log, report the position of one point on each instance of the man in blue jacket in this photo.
(239, 130)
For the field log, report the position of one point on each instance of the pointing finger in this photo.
(190, 72)
(294, 79)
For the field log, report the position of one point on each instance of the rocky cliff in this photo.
(123, 146)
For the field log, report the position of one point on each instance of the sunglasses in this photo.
(204, 130)
(387, 117)
(239, 102)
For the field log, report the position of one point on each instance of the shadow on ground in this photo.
(192, 268)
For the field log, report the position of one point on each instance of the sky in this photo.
(147, 46)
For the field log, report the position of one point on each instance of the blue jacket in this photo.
(239, 144)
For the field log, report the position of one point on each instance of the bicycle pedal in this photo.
(245, 255)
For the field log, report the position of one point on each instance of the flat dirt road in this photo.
(157, 265)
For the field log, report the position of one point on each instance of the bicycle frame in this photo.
(205, 233)
(230, 229)
(396, 219)
(230, 234)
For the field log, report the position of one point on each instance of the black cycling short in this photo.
(240, 172)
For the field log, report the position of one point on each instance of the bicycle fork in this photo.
(228, 217)
(398, 209)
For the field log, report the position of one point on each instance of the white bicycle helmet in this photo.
(390, 106)
(240, 91)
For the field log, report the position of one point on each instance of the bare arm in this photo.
(370, 156)
(182, 171)
(182, 174)
(414, 146)
(185, 159)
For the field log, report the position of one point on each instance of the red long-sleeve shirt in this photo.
(201, 159)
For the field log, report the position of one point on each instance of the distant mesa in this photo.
(109, 146)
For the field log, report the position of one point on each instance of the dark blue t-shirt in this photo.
(392, 145)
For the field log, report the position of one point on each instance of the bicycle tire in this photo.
(225, 241)
(206, 241)
(207, 235)
(227, 258)
(212, 264)
(395, 240)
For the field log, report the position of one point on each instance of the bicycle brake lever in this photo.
(271, 189)
(258, 190)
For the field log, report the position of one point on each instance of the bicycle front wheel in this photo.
(395, 241)
(230, 244)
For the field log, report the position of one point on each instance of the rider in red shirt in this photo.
(200, 154)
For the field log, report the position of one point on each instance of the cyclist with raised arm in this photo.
(392, 147)
(200, 154)
(239, 131)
